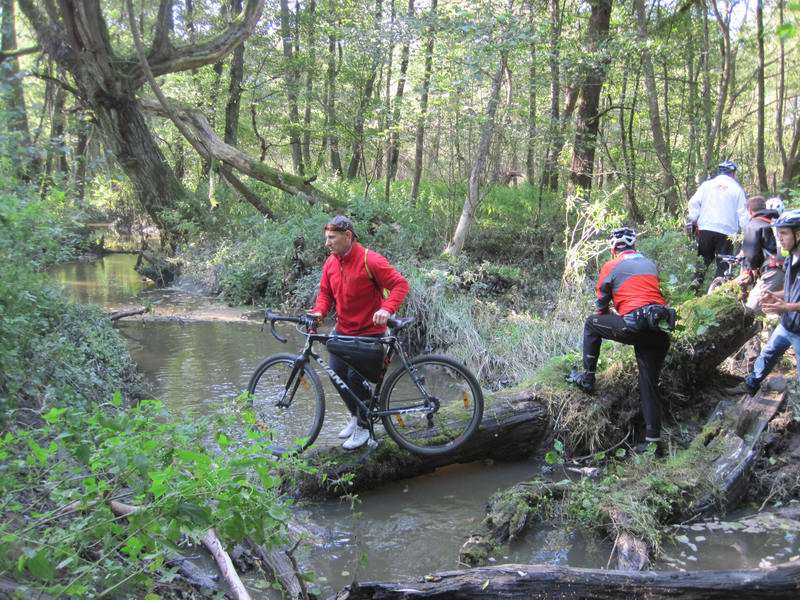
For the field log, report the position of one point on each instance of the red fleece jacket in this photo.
(345, 282)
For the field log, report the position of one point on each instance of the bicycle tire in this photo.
(718, 281)
(454, 422)
(296, 427)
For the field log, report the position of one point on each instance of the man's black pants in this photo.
(650, 347)
(355, 382)
(711, 244)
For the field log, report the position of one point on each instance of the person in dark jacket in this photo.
(763, 263)
(630, 281)
(785, 303)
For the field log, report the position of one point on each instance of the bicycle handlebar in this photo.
(310, 323)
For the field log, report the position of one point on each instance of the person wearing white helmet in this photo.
(785, 303)
(717, 210)
(642, 320)
(763, 264)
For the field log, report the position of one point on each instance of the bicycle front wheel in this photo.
(290, 412)
(718, 281)
(445, 419)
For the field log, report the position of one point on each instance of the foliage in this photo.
(184, 477)
(48, 347)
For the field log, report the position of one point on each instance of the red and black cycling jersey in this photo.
(630, 280)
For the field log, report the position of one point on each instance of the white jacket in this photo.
(720, 205)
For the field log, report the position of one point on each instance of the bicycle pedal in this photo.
(372, 443)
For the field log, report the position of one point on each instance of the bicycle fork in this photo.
(295, 379)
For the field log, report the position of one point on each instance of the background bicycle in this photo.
(733, 269)
(429, 405)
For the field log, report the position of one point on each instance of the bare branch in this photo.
(198, 55)
(16, 52)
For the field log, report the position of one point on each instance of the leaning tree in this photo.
(74, 34)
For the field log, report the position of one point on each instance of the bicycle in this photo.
(430, 405)
(732, 261)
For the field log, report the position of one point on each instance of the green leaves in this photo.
(180, 489)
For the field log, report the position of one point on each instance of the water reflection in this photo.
(108, 281)
(198, 367)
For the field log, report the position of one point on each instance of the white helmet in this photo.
(775, 203)
(624, 237)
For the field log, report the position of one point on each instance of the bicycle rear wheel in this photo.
(291, 413)
(454, 408)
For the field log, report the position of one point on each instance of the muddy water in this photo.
(407, 528)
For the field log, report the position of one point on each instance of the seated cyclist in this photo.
(354, 279)
(630, 281)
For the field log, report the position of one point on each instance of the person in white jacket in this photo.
(717, 210)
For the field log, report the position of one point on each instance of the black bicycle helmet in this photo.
(727, 166)
(624, 237)
(790, 218)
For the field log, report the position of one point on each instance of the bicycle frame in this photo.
(428, 405)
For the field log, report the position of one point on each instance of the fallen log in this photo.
(514, 424)
(121, 314)
(529, 581)
(212, 543)
(518, 421)
(633, 506)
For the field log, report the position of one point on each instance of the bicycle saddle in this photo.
(400, 323)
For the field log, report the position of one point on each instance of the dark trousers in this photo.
(711, 244)
(355, 382)
(650, 347)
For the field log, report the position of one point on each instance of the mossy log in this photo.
(634, 505)
(514, 424)
(517, 421)
(528, 581)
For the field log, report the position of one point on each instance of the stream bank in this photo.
(178, 352)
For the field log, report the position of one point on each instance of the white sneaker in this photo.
(348, 431)
(358, 439)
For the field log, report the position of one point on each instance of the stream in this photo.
(202, 357)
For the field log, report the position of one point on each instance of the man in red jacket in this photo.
(355, 279)
(630, 281)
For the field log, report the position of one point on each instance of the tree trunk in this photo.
(76, 36)
(419, 142)
(781, 91)
(394, 136)
(477, 174)
(532, 581)
(706, 68)
(550, 171)
(56, 163)
(363, 104)
(693, 109)
(712, 144)
(14, 95)
(312, 60)
(291, 79)
(660, 143)
(333, 138)
(627, 149)
(232, 108)
(761, 167)
(80, 159)
(588, 121)
(530, 153)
